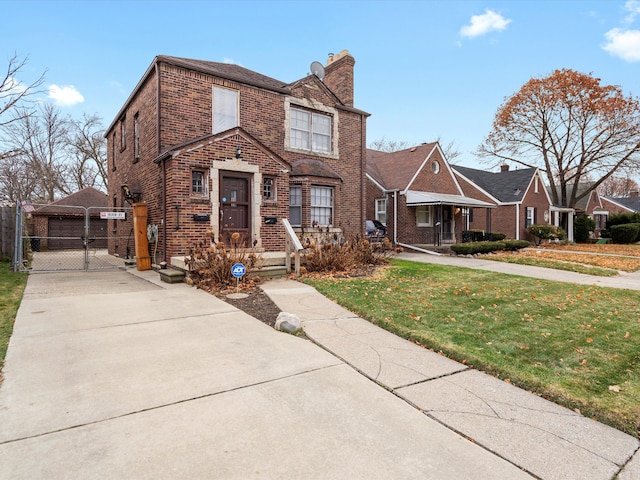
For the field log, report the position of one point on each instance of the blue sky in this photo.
(424, 69)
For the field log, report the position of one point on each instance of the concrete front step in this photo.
(273, 265)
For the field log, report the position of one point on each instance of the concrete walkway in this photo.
(540, 437)
(118, 375)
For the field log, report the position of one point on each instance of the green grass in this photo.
(11, 289)
(556, 264)
(567, 342)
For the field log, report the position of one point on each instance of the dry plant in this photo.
(210, 265)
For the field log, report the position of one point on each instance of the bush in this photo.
(481, 236)
(495, 236)
(210, 266)
(625, 233)
(513, 245)
(339, 255)
(582, 228)
(546, 232)
(472, 248)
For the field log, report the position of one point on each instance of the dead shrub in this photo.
(341, 255)
(210, 265)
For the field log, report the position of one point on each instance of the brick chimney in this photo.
(633, 194)
(338, 76)
(504, 167)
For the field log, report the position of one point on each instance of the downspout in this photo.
(363, 177)
(164, 167)
(517, 221)
(395, 216)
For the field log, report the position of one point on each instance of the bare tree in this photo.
(385, 145)
(618, 186)
(570, 127)
(14, 97)
(87, 146)
(450, 150)
(39, 143)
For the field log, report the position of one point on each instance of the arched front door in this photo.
(235, 209)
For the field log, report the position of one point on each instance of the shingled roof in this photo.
(506, 186)
(631, 203)
(87, 197)
(395, 170)
(228, 71)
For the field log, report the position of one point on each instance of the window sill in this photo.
(333, 155)
(193, 199)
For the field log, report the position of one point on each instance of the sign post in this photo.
(238, 270)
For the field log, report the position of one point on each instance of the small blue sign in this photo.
(238, 270)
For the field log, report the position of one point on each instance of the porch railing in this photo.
(292, 245)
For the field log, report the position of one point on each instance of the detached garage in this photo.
(61, 225)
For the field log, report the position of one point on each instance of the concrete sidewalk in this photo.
(537, 436)
(117, 375)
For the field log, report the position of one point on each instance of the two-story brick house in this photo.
(215, 149)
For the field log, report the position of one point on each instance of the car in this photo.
(375, 229)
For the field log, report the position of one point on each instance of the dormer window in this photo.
(310, 131)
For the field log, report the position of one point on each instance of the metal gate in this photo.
(66, 237)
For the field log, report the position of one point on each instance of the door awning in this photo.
(415, 199)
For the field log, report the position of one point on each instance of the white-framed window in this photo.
(199, 183)
(531, 216)
(424, 216)
(321, 206)
(295, 205)
(381, 210)
(310, 131)
(268, 189)
(225, 109)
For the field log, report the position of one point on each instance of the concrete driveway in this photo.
(116, 375)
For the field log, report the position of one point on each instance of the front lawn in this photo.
(11, 289)
(577, 345)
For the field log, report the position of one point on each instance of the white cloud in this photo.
(66, 96)
(633, 7)
(624, 44)
(230, 61)
(482, 24)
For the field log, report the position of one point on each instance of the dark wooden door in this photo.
(235, 209)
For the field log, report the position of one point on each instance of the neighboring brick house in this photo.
(520, 196)
(615, 205)
(416, 195)
(214, 149)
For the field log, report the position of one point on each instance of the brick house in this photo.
(520, 196)
(416, 194)
(615, 205)
(215, 149)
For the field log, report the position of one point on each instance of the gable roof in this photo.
(395, 170)
(583, 203)
(630, 203)
(229, 71)
(507, 187)
(87, 197)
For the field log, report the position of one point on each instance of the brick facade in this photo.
(173, 109)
